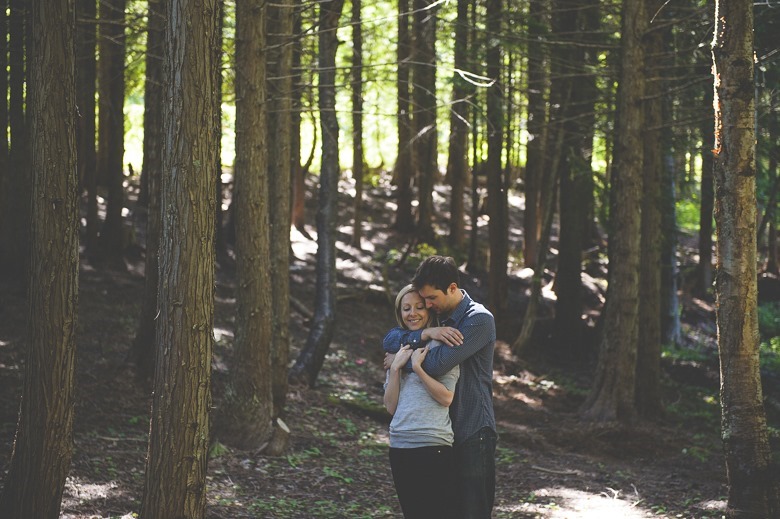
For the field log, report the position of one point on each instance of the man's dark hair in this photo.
(438, 272)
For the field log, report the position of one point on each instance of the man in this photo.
(470, 331)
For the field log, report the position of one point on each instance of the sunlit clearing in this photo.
(567, 503)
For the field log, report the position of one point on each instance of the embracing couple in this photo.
(439, 391)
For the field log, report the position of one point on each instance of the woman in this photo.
(421, 455)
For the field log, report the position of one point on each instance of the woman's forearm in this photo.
(392, 390)
(436, 389)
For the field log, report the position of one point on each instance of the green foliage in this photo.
(218, 449)
(769, 319)
(688, 214)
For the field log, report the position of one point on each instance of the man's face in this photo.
(439, 301)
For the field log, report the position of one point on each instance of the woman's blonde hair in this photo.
(401, 293)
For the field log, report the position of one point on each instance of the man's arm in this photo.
(398, 337)
(478, 331)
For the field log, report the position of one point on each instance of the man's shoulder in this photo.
(475, 309)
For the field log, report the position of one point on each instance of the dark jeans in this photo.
(425, 482)
(476, 464)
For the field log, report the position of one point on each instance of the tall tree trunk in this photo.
(498, 227)
(245, 416)
(424, 119)
(704, 271)
(357, 121)
(648, 366)
(220, 236)
(144, 342)
(576, 175)
(111, 145)
(404, 167)
(462, 90)
(14, 223)
(175, 484)
(44, 436)
(671, 332)
(86, 77)
(612, 395)
(298, 209)
(280, 15)
(309, 362)
(754, 485)
(536, 125)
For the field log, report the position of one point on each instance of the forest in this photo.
(207, 208)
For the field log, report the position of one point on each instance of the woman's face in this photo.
(414, 315)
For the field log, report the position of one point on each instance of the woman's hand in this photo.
(401, 358)
(444, 334)
(418, 356)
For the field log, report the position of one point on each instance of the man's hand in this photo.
(418, 356)
(401, 358)
(444, 334)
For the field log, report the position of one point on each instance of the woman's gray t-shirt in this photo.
(419, 420)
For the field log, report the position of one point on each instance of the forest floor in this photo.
(550, 463)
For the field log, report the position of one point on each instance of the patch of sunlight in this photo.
(79, 492)
(4, 343)
(568, 503)
(301, 245)
(222, 333)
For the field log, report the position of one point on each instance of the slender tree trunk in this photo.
(220, 236)
(498, 227)
(462, 91)
(612, 395)
(175, 484)
(298, 209)
(284, 165)
(704, 272)
(44, 436)
(576, 175)
(245, 420)
(144, 343)
(404, 167)
(86, 76)
(537, 116)
(648, 366)
(309, 362)
(754, 486)
(112, 97)
(357, 120)
(424, 119)
(671, 332)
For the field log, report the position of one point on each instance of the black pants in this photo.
(425, 480)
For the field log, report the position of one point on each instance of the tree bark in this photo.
(424, 106)
(536, 125)
(648, 366)
(309, 362)
(112, 133)
(144, 342)
(704, 271)
(612, 395)
(404, 167)
(462, 91)
(175, 484)
(245, 415)
(498, 224)
(44, 436)
(754, 488)
(285, 166)
(86, 77)
(576, 173)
